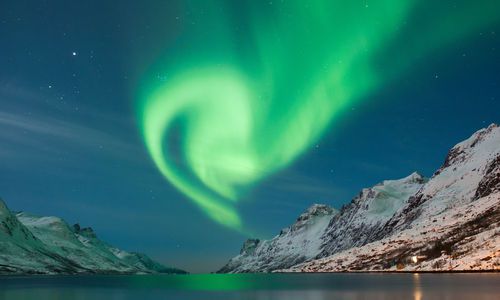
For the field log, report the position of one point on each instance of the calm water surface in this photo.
(255, 286)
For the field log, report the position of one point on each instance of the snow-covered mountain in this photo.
(366, 214)
(449, 222)
(322, 230)
(48, 245)
(295, 244)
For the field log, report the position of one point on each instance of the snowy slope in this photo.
(465, 238)
(295, 244)
(367, 213)
(452, 223)
(20, 250)
(456, 183)
(48, 245)
(331, 231)
(449, 222)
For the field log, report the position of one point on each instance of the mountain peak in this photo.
(87, 232)
(311, 214)
(316, 210)
(464, 149)
(414, 177)
(492, 125)
(249, 246)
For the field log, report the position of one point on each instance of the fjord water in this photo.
(475, 286)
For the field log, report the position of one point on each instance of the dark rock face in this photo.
(249, 246)
(455, 155)
(403, 219)
(458, 154)
(316, 210)
(86, 231)
(491, 181)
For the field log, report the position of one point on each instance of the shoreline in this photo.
(257, 273)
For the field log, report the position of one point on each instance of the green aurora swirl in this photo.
(252, 86)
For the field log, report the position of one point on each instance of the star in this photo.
(74, 53)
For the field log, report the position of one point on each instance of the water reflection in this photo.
(417, 291)
(255, 286)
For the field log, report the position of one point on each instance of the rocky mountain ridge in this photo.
(295, 244)
(450, 222)
(32, 244)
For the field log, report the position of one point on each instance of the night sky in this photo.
(180, 128)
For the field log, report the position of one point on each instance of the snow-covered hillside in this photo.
(322, 230)
(449, 222)
(367, 213)
(468, 173)
(48, 245)
(295, 244)
(465, 238)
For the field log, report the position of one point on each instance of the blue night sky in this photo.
(71, 144)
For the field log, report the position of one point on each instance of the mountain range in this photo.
(32, 244)
(448, 222)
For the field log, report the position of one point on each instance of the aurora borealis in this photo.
(248, 97)
(178, 128)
